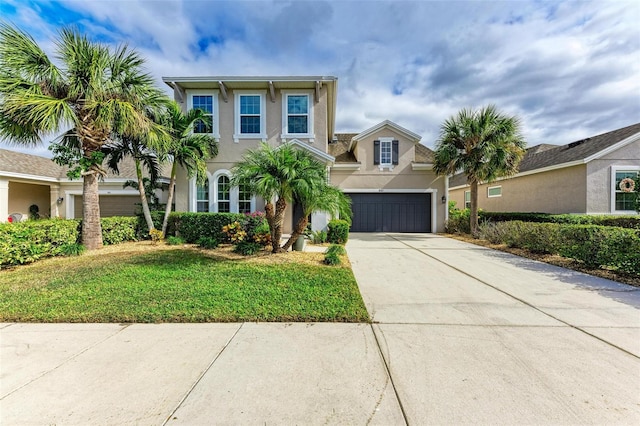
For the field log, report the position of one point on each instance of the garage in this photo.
(391, 212)
(111, 205)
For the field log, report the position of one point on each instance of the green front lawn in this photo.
(135, 282)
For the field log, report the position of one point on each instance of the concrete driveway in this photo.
(461, 334)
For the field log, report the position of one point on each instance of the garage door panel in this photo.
(391, 212)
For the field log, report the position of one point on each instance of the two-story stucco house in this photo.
(384, 169)
(585, 176)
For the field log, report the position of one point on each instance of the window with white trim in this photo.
(297, 114)
(467, 199)
(244, 198)
(207, 102)
(385, 152)
(202, 197)
(224, 194)
(250, 115)
(624, 190)
(494, 191)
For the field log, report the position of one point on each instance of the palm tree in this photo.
(94, 90)
(322, 198)
(483, 144)
(281, 174)
(187, 149)
(142, 156)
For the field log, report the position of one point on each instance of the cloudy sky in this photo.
(568, 69)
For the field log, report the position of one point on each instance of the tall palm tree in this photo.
(483, 144)
(94, 90)
(186, 149)
(142, 156)
(281, 174)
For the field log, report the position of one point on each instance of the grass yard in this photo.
(138, 282)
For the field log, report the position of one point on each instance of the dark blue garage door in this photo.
(380, 212)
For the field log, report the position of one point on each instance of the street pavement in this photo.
(461, 335)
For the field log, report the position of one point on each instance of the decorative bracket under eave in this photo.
(318, 88)
(272, 92)
(223, 91)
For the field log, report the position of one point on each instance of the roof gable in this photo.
(386, 124)
(319, 154)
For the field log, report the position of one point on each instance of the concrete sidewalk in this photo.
(461, 334)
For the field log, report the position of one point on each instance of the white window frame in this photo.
(215, 128)
(494, 187)
(234, 193)
(263, 115)
(384, 141)
(217, 194)
(613, 189)
(465, 199)
(310, 135)
(208, 200)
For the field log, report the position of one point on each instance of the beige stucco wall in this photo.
(557, 191)
(22, 195)
(402, 177)
(599, 173)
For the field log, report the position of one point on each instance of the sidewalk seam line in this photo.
(125, 326)
(387, 368)
(518, 299)
(199, 379)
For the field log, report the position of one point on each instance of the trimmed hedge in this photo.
(26, 242)
(338, 231)
(118, 229)
(193, 226)
(632, 222)
(596, 246)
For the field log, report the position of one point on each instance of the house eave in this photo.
(421, 166)
(386, 123)
(347, 166)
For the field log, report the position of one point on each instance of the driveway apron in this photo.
(472, 335)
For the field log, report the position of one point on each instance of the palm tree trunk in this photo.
(297, 232)
(143, 197)
(278, 219)
(91, 227)
(167, 210)
(473, 214)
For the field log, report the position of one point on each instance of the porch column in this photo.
(4, 200)
(54, 194)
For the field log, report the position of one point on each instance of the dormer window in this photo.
(297, 115)
(385, 153)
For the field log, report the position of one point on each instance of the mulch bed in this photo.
(556, 260)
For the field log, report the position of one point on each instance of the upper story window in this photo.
(385, 152)
(297, 115)
(250, 116)
(624, 187)
(207, 102)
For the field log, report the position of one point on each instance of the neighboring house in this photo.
(580, 177)
(27, 179)
(384, 169)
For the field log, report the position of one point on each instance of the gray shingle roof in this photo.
(423, 154)
(340, 148)
(545, 155)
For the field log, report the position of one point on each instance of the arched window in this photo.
(224, 194)
(202, 198)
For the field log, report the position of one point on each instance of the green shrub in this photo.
(336, 249)
(208, 242)
(318, 237)
(142, 229)
(338, 231)
(332, 259)
(596, 246)
(192, 226)
(247, 248)
(73, 249)
(118, 229)
(26, 242)
(458, 222)
(632, 222)
(174, 241)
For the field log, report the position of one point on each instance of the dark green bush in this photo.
(192, 226)
(336, 249)
(74, 249)
(332, 259)
(142, 230)
(118, 229)
(458, 222)
(247, 248)
(26, 242)
(596, 246)
(632, 222)
(208, 242)
(338, 231)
